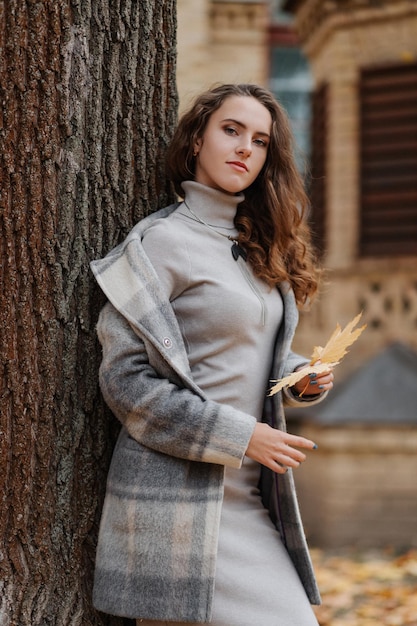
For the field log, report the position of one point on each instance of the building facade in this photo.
(363, 57)
(360, 488)
(221, 41)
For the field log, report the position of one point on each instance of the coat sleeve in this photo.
(154, 406)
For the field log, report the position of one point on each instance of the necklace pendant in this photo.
(238, 251)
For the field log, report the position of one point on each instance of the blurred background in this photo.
(346, 72)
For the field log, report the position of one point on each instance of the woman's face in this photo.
(234, 146)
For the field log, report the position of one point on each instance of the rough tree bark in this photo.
(87, 104)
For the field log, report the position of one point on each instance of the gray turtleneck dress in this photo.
(229, 320)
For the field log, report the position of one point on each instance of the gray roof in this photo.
(383, 391)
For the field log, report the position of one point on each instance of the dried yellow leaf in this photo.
(292, 379)
(336, 348)
(329, 355)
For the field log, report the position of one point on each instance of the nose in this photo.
(245, 148)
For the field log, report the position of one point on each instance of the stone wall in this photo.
(359, 487)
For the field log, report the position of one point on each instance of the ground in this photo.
(367, 588)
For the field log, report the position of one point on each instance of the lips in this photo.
(239, 165)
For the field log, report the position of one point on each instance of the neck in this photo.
(214, 210)
(213, 206)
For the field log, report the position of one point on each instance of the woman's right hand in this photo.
(277, 449)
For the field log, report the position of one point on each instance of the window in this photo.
(291, 82)
(318, 167)
(279, 15)
(388, 103)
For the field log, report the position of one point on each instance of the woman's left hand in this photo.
(314, 384)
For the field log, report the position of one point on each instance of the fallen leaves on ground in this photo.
(371, 588)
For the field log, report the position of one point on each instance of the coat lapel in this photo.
(286, 331)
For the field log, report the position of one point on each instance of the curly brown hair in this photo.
(272, 219)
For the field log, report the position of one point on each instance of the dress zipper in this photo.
(244, 269)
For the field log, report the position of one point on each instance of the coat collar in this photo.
(129, 281)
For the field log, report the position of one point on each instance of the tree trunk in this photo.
(87, 104)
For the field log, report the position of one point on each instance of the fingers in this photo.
(288, 461)
(325, 377)
(282, 463)
(315, 383)
(288, 456)
(292, 457)
(276, 449)
(278, 468)
(297, 441)
(323, 381)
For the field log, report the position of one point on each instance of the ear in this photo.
(197, 146)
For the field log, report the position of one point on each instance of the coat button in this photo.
(167, 342)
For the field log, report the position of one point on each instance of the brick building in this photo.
(360, 489)
(363, 57)
(221, 41)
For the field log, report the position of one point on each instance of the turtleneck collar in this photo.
(215, 207)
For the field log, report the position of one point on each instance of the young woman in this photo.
(200, 522)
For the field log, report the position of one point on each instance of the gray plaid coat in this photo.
(157, 545)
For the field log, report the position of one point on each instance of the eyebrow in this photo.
(242, 125)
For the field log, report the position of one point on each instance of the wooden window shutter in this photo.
(318, 167)
(388, 101)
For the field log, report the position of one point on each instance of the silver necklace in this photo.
(229, 237)
(237, 249)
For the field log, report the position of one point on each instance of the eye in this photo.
(261, 142)
(230, 130)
